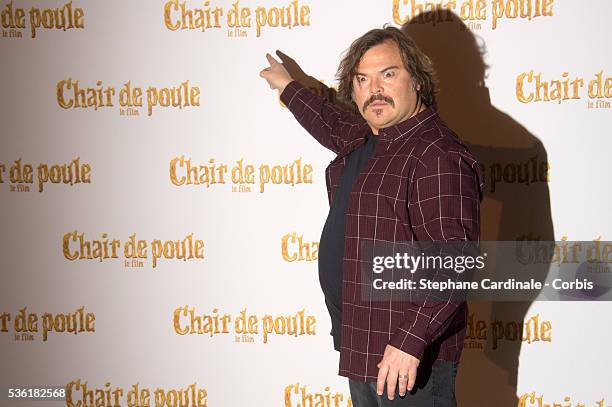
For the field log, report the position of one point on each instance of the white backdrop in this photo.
(135, 337)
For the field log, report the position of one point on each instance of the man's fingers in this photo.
(380, 382)
(265, 73)
(411, 377)
(402, 380)
(271, 60)
(391, 383)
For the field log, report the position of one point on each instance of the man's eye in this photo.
(389, 74)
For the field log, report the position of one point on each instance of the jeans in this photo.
(434, 387)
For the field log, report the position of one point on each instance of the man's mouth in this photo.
(379, 103)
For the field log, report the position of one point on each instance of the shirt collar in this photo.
(408, 126)
(391, 133)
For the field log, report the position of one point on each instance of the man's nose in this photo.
(375, 86)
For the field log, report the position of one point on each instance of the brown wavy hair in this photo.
(415, 61)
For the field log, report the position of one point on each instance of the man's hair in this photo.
(415, 61)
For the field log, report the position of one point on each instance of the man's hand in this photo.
(396, 364)
(276, 74)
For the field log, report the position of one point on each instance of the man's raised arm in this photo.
(331, 126)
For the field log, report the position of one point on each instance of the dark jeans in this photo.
(434, 387)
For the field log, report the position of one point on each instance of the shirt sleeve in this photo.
(443, 205)
(331, 126)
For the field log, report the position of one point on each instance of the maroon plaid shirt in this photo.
(421, 184)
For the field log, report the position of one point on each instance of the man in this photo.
(400, 175)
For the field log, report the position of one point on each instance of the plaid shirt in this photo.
(421, 184)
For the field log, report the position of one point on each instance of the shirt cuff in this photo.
(290, 91)
(408, 342)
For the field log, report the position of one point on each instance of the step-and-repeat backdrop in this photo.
(161, 208)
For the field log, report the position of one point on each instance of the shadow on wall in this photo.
(516, 204)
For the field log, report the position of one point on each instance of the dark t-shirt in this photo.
(331, 244)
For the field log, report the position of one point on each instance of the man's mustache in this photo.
(378, 97)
